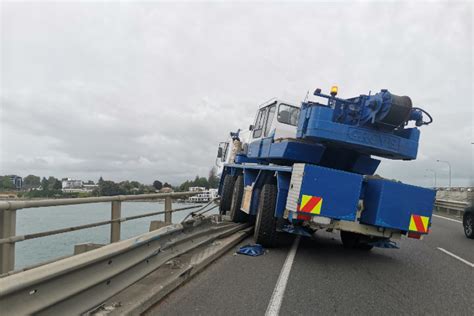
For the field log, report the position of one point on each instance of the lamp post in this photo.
(449, 165)
(434, 173)
(428, 178)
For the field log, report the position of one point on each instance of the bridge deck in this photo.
(325, 278)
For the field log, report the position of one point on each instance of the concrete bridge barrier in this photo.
(81, 283)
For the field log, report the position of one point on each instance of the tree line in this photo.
(37, 187)
(211, 182)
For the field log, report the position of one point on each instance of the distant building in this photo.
(17, 181)
(71, 185)
(89, 187)
(194, 189)
(68, 184)
(166, 190)
(204, 196)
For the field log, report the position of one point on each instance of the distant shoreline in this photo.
(161, 200)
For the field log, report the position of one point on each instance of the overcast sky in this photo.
(146, 91)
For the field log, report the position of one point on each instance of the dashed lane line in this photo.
(457, 257)
(273, 308)
(447, 218)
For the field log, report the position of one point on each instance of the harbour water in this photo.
(34, 220)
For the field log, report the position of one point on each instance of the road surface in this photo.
(422, 277)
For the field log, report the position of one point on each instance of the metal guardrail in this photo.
(8, 210)
(78, 284)
(451, 207)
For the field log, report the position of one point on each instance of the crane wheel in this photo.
(265, 226)
(236, 214)
(226, 198)
(468, 224)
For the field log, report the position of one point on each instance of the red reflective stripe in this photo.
(413, 235)
(419, 223)
(303, 217)
(311, 204)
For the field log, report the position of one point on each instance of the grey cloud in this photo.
(147, 90)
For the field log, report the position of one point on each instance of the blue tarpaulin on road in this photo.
(251, 250)
(385, 244)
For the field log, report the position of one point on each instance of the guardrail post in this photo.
(115, 226)
(7, 229)
(168, 205)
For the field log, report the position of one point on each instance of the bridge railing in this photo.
(8, 210)
(451, 207)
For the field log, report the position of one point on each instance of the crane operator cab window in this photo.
(276, 119)
(288, 114)
(263, 123)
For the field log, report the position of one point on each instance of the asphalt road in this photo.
(325, 278)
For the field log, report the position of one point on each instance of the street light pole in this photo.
(434, 172)
(449, 165)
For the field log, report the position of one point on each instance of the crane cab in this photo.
(275, 118)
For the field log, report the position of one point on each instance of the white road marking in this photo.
(457, 257)
(273, 308)
(447, 218)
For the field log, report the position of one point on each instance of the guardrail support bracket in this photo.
(7, 251)
(115, 226)
(168, 205)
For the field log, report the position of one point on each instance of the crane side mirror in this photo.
(219, 152)
(251, 127)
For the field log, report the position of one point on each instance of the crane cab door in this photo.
(276, 119)
(223, 154)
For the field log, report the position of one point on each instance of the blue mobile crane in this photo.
(321, 175)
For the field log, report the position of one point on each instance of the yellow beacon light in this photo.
(334, 91)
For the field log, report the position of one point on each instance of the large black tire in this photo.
(354, 240)
(236, 214)
(226, 198)
(468, 224)
(265, 226)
